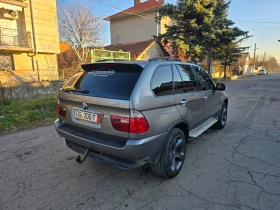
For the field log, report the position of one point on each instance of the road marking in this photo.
(247, 115)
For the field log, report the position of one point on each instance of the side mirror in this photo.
(220, 87)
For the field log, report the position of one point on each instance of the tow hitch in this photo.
(81, 160)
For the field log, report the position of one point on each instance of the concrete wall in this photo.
(133, 28)
(32, 89)
(46, 25)
(152, 52)
(164, 21)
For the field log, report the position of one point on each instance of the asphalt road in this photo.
(236, 168)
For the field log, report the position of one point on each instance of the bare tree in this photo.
(80, 28)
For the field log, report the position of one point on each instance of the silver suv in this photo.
(128, 114)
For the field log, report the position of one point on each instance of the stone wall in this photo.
(30, 89)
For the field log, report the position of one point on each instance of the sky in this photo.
(260, 17)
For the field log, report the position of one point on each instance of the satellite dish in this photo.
(12, 13)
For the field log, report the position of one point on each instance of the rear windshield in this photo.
(105, 80)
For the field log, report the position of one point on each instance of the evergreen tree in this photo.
(201, 28)
(229, 50)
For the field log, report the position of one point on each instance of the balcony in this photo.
(20, 3)
(15, 40)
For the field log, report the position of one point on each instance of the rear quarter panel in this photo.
(160, 112)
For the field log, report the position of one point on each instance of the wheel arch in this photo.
(183, 125)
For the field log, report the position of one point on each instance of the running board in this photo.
(203, 127)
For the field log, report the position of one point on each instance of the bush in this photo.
(27, 113)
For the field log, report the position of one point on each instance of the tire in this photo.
(222, 120)
(173, 155)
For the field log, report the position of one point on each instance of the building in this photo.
(246, 66)
(29, 40)
(137, 23)
(140, 50)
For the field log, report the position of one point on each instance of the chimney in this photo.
(137, 2)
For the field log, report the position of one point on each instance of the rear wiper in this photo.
(75, 90)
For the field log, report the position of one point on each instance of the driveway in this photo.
(236, 168)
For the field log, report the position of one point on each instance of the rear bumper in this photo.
(132, 154)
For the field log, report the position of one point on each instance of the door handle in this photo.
(205, 97)
(183, 102)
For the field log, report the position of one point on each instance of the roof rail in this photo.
(165, 59)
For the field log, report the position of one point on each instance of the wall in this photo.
(44, 65)
(29, 90)
(45, 68)
(46, 25)
(164, 21)
(153, 51)
(133, 28)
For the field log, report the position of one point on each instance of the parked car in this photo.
(262, 72)
(128, 114)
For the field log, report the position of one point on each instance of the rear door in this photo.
(189, 101)
(97, 92)
(207, 88)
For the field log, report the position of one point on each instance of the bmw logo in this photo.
(85, 106)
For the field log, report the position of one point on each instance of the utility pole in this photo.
(254, 58)
(263, 59)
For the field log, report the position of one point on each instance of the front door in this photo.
(207, 88)
(189, 101)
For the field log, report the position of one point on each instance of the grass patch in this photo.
(20, 114)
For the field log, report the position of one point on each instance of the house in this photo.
(137, 23)
(29, 40)
(245, 63)
(140, 50)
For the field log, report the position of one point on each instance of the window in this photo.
(204, 80)
(188, 78)
(178, 83)
(162, 82)
(106, 80)
(6, 62)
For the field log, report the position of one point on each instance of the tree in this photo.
(202, 28)
(80, 28)
(198, 28)
(229, 50)
(192, 23)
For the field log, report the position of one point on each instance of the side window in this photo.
(204, 79)
(178, 83)
(188, 78)
(162, 82)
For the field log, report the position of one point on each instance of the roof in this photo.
(145, 6)
(135, 48)
(64, 46)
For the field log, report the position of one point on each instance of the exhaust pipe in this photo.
(81, 160)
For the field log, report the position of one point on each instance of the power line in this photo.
(143, 15)
(247, 21)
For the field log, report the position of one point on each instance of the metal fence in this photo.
(99, 54)
(14, 38)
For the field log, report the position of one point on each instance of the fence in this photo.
(14, 38)
(98, 54)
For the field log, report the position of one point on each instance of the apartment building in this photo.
(29, 40)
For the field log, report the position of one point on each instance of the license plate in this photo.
(87, 116)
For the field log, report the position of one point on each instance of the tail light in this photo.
(61, 110)
(120, 123)
(136, 123)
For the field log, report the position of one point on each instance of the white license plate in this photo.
(87, 116)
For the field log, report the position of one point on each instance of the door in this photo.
(189, 101)
(207, 88)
